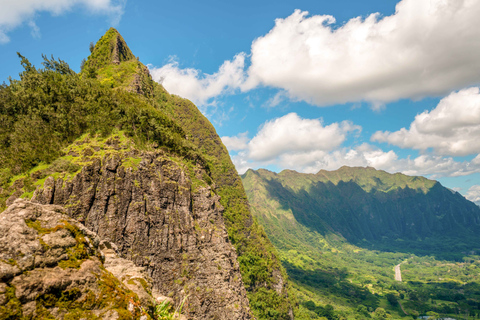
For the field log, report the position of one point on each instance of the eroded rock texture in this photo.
(52, 266)
(160, 220)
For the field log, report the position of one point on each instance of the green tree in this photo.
(380, 314)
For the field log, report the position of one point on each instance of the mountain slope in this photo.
(340, 234)
(145, 170)
(375, 209)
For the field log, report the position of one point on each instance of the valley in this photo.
(336, 278)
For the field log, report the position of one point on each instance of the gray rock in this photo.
(162, 223)
(51, 266)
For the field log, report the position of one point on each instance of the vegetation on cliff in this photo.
(45, 111)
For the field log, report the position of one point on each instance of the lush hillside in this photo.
(377, 210)
(341, 233)
(78, 139)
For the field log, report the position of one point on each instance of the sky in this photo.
(303, 85)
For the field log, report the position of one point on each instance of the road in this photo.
(398, 273)
(398, 277)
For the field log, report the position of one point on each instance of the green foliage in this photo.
(59, 66)
(48, 109)
(103, 52)
(163, 311)
(326, 269)
(12, 308)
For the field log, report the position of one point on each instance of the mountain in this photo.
(372, 208)
(341, 233)
(143, 170)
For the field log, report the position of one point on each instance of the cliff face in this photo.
(147, 204)
(145, 170)
(52, 266)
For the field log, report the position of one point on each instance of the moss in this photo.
(12, 309)
(131, 162)
(10, 261)
(37, 225)
(77, 254)
(111, 296)
(143, 283)
(115, 295)
(44, 245)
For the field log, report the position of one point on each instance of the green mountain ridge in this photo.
(375, 209)
(59, 127)
(340, 234)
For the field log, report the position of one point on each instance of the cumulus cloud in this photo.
(365, 155)
(291, 133)
(238, 142)
(307, 145)
(452, 128)
(473, 194)
(426, 48)
(14, 13)
(198, 87)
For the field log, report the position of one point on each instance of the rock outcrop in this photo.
(162, 216)
(52, 266)
(147, 172)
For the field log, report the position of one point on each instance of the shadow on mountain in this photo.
(439, 222)
(334, 282)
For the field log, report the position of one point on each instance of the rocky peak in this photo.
(110, 49)
(113, 63)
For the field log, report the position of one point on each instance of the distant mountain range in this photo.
(365, 207)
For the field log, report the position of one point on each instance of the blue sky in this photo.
(303, 85)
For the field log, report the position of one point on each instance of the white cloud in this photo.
(35, 29)
(238, 142)
(428, 47)
(200, 88)
(14, 13)
(291, 133)
(452, 128)
(363, 156)
(473, 194)
(306, 145)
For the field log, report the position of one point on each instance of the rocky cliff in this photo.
(162, 216)
(145, 171)
(51, 266)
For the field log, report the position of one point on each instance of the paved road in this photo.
(398, 273)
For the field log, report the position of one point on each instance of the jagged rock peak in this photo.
(113, 63)
(110, 49)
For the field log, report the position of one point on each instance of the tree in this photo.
(380, 314)
(82, 64)
(92, 46)
(392, 299)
